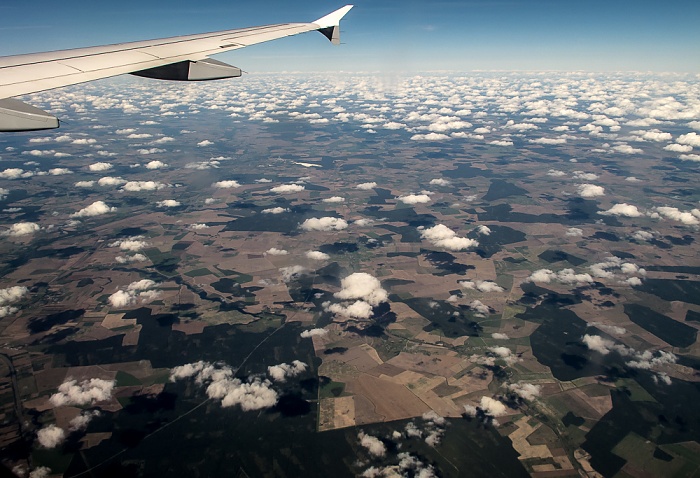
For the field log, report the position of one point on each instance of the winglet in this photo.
(330, 24)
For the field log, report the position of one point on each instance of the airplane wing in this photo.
(184, 58)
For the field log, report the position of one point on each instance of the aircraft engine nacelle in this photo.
(203, 70)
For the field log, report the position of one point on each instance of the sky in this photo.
(389, 35)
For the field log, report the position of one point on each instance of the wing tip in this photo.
(333, 18)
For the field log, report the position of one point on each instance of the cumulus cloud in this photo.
(334, 199)
(317, 255)
(86, 392)
(481, 285)
(273, 251)
(372, 444)
(324, 224)
(492, 407)
(84, 184)
(439, 182)
(228, 184)
(292, 272)
(22, 229)
(141, 289)
(100, 166)
(430, 137)
(499, 336)
(130, 259)
(590, 190)
(205, 142)
(525, 391)
(313, 333)
(565, 276)
(275, 210)
(690, 139)
(622, 209)
(574, 232)
(51, 436)
(97, 208)
(366, 186)
(135, 186)
(81, 421)
(287, 188)
(414, 199)
(362, 286)
(8, 297)
(358, 309)
(646, 360)
(253, 394)
(283, 371)
(444, 237)
(168, 203)
(642, 235)
(59, 171)
(156, 165)
(132, 244)
(690, 218)
(110, 181)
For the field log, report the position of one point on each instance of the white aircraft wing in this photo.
(184, 58)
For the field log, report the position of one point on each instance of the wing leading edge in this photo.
(177, 58)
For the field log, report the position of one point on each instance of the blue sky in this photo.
(388, 35)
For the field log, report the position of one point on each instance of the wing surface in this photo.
(23, 74)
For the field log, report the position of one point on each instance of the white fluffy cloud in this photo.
(97, 208)
(691, 139)
(362, 286)
(142, 289)
(366, 186)
(690, 218)
(287, 188)
(254, 394)
(283, 371)
(22, 229)
(156, 165)
(86, 392)
(565, 276)
(136, 186)
(313, 333)
(444, 237)
(334, 199)
(100, 166)
(168, 203)
(317, 255)
(414, 199)
(110, 181)
(526, 391)
(439, 182)
(228, 184)
(372, 444)
(51, 436)
(324, 224)
(590, 190)
(273, 251)
(81, 421)
(275, 210)
(481, 285)
(622, 209)
(492, 407)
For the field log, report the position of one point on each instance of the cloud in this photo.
(334, 199)
(358, 309)
(86, 392)
(622, 209)
(283, 371)
(22, 229)
(525, 391)
(439, 182)
(273, 251)
(40, 472)
(228, 184)
(132, 244)
(372, 444)
(156, 165)
(254, 394)
(9, 296)
(292, 272)
(135, 186)
(205, 142)
(130, 259)
(499, 336)
(690, 218)
(198, 226)
(430, 137)
(275, 210)
(51, 436)
(414, 199)
(678, 148)
(555, 173)
(168, 203)
(499, 142)
(444, 237)
(691, 139)
(84, 184)
(366, 186)
(3, 193)
(81, 421)
(313, 333)
(491, 407)
(627, 149)
(97, 208)
(287, 188)
(324, 224)
(481, 285)
(574, 232)
(566, 276)
(317, 255)
(136, 290)
(59, 171)
(15, 173)
(363, 286)
(110, 181)
(590, 190)
(100, 167)
(585, 176)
